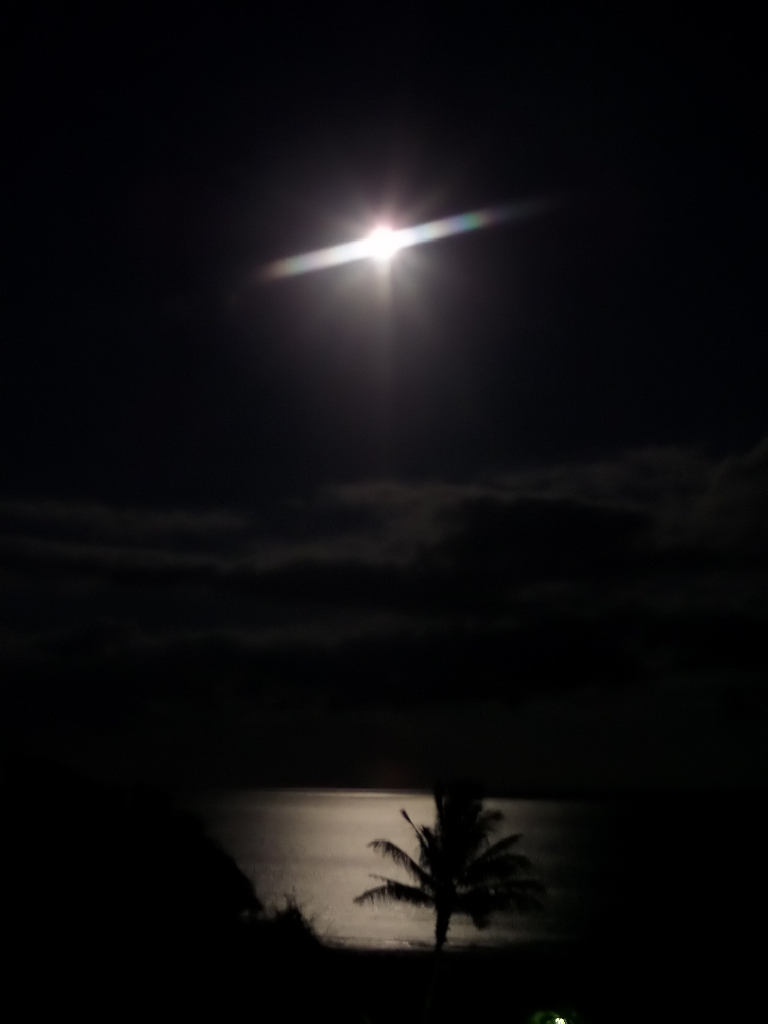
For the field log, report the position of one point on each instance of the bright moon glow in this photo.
(384, 242)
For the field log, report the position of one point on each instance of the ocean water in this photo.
(312, 845)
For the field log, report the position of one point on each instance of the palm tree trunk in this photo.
(441, 928)
(441, 933)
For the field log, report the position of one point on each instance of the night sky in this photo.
(500, 511)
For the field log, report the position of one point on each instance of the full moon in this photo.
(383, 243)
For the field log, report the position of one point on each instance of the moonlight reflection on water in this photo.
(312, 844)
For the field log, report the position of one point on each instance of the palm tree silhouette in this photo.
(459, 871)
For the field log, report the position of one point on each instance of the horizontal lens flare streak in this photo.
(365, 248)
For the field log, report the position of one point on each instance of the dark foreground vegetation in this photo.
(118, 906)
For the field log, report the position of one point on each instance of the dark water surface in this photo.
(606, 864)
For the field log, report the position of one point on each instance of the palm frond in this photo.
(502, 845)
(423, 851)
(480, 902)
(517, 862)
(433, 857)
(484, 824)
(478, 905)
(506, 867)
(496, 862)
(393, 890)
(429, 845)
(401, 858)
(462, 822)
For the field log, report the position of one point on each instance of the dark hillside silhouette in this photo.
(113, 891)
(116, 900)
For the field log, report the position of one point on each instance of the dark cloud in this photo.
(533, 538)
(423, 545)
(733, 513)
(102, 521)
(394, 595)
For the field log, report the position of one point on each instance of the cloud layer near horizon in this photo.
(395, 595)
